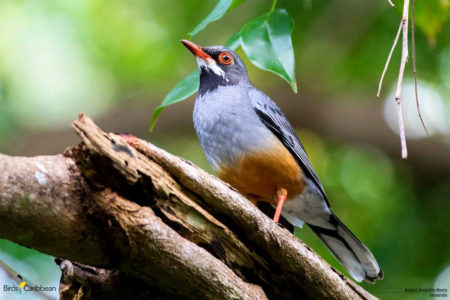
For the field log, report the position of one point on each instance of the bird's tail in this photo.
(349, 250)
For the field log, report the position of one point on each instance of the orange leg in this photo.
(282, 195)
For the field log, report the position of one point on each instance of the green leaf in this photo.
(222, 7)
(189, 85)
(185, 88)
(267, 42)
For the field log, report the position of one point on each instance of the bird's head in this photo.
(218, 65)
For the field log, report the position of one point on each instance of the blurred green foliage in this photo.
(60, 57)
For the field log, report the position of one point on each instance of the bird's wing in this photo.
(274, 119)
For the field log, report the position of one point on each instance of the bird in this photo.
(250, 144)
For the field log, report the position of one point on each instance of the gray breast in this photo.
(227, 126)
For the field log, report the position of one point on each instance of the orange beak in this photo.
(196, 49)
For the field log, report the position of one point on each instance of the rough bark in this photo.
(80, 281)
(139, 215)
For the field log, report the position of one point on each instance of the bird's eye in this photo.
(225, 58)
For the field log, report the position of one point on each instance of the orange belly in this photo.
(259, 175)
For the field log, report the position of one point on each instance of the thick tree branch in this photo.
(42, 206)
(146, 214)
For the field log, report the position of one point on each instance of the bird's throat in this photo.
(210, 80)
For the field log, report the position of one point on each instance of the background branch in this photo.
(413, 45)
(380, 84)
(398, 92)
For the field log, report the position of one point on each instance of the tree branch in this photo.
(413, 45)
(398, 92)
(80, 281)
(145, 214)
(380, 84)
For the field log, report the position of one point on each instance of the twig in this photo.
(389, 59)
(398, 93)
(390, 2)
(414, 66)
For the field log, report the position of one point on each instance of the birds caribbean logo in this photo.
(22, 286)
